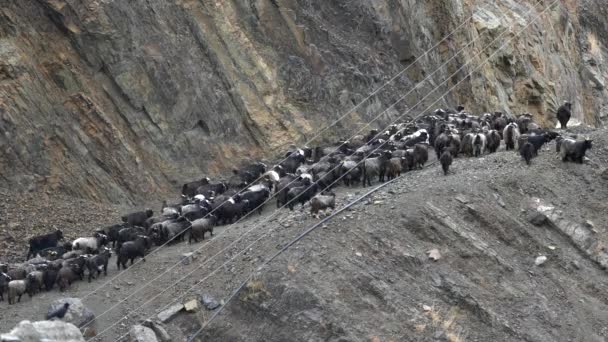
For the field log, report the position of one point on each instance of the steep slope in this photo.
(116, 100)
(365, 275)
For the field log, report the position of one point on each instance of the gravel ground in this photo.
(23, 216)
(365, 275)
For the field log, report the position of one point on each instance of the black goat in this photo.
(527, 151)
(301, 194)
(189, 189)
(99, 262)
(38, 243)
(564, 112)
(133, 249)
(446, 160)
(572, 150)
(137, 218)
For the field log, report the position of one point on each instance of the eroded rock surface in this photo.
(114, 100)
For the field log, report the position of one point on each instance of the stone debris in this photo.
(159, 330)
(580, 234)
(77, 313)
(540, 260)
(590, 225)
(169, 313)
(434, 254)
(209, 302)
(462, 199)
(191, 306)
(140, 333)
(27, 331)
(186, 258)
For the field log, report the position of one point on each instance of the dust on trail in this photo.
(365, 275)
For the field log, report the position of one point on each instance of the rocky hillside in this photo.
(497, 251)
(521, 257)
(113, 101)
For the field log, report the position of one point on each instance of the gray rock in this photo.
(436, 278)
(77, 314)
(27, 331)
(462, 199)
(169, 313)
(139, 333)
(501, 202)
(186, 258)
(158, 329)
(537, 218)
(580, 234)
(590, 225)
(209, 302)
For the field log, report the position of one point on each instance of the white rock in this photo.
(434, 254)
(139, 333)
(191, 306)
(27, 331)
(540, 260)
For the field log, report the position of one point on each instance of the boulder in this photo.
(77, 314)
(139, 333)
(191, 306)
(170, 312)
(27, 331)
(209, 302)
(159, 330)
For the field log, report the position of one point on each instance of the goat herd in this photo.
(306, 174)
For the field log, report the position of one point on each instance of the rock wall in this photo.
(117, 100)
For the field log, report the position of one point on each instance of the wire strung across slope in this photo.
(241, 237)
(291, 243)
(376, 91)
(237, 240)
(376, 149)
(359, 131)
(298, 238)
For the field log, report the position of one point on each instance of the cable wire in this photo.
(384, 143)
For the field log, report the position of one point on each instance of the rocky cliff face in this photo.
(116, 100)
